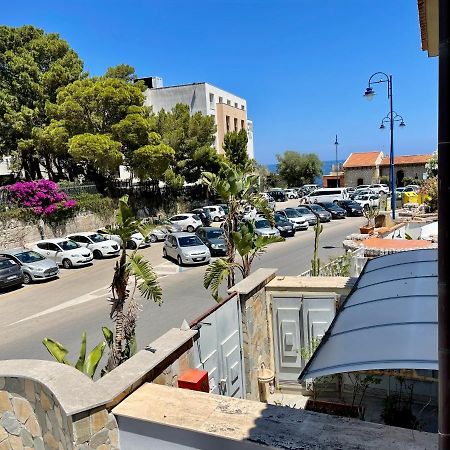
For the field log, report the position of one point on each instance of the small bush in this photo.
(103, 207)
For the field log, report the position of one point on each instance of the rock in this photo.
(16, 443)
(99, 420)
(46, 403)
(99, 438)
(112, 423)
(30, 393)
(32, 426)
(114, 437)
(39, 444)
(3, 434)
(5, 404)
(50, 441)
(5, 445)
(10, 423)
(27, 438)
(22, 409)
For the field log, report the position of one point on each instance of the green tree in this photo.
(33, 66)
(152, 160)
(235, 147)
(299, 168)
(123, 72)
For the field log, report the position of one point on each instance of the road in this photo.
(77, 301)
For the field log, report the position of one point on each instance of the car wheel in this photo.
(132, 245)
(164, 253)
(179, 260)
(67, 263)
(98, 254)
(216, 219)
(27, 278)
(153, 238)
(190, 229)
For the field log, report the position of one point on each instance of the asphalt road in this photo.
(62, 309)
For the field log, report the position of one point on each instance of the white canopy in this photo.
(389, 320)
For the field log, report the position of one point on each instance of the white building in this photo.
(229, 110)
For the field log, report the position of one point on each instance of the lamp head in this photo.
(402, 124)
(369, 94)
(382, 127)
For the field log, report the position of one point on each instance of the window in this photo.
(220, 99)
(227, 121)
(228, 102)
(235, 124)
(242, 107)
(242, 125)
(53, 247)
(42, 245)
(235, 105)
(211, 101)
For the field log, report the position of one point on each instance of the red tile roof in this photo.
(406, 159)
(366, 159)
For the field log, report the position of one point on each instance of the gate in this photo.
(218, 348)
(297, 321)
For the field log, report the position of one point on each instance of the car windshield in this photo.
(196, 217)
(5, 263)
(262, 224)
(363, 197)
(29, 257)
(317, 208)
(189, 241)
(97, 238)
(68, 245)
(291, 214)
(280, 218)
(215, 234)
(303, 210)
(328, 205)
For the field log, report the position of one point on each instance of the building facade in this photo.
(370, 167)
(229, 111)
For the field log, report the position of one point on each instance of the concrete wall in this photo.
(237, 120)
(14, 233)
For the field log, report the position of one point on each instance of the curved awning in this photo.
(388, 321)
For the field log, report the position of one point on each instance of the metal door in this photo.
(296, 322)
(218, 350)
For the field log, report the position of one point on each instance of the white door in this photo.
(53, 252)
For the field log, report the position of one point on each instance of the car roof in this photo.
(83, 233)
(4, 258)
(14, 251)
(208, 229)
(179, 234)
(53, 240)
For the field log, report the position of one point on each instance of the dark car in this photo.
(321, 213)
(214, 239)
(351, 207)
(10, 273)
(284, 226)
(336, 211)
(224, 207)
(205, 216)
(278, 195)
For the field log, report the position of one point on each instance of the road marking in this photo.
(74, 302)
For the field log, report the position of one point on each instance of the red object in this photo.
(194, 379)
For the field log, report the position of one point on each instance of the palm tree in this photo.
(248, 245)
(131, 272)
(237, 188)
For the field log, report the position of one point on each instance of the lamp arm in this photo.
(380, 81)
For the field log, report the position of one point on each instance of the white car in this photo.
(64, 252)
(367, 201)
(137, 239)
(188, 221)
(100, 245)
(291, 193)
(217, 213)
(270, 200)
(249, 213)
(379, 188)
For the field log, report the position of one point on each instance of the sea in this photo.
(326, 168)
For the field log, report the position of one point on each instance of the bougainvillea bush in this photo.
(43, 197)
(429, 191)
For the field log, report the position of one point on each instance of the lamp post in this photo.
(369, 95)
(336, 143)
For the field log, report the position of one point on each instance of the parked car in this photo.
(364, 192)
(336, 211)
(162, 228)
(412, 188)
(34, 266)
(214, 239)
(367, 201)
(249, 213)
(291, 193)
(327, 195)
(205, 216)
(263, 228)
(137, 239)
(188, 221)
(216, 212)
(224, 206)
(307, 214)
(380, 188)
(284, 226)
(299, 222)
(269, 199)
(351, 207)
(321, 213)
(100, 245)
(186, 248)
(10, 273)
(64, 252)
(278, 195)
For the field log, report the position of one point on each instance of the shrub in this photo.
(104, 207)
(429, 191)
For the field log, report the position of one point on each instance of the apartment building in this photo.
(229, 110)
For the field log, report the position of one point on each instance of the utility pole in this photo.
(336, 143)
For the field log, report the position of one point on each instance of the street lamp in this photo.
(336, 143)
(369, 94)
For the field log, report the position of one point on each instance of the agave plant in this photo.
(248, 245)
(236, 187)
(131, 272)
(88, 365)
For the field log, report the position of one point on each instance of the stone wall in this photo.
(368, 175)
(14, 233)
(411, 171)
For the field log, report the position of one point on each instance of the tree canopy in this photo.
(299, 168)
(235, 147)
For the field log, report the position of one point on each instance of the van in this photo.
(327, 195)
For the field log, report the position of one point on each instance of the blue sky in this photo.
(302, 65)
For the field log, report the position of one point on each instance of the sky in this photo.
(302, 65)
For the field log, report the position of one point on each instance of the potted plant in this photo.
(369, 213)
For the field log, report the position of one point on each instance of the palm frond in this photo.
(147, 280)
(216, 274)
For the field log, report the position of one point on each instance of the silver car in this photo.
(263, 228)
(307, 214)
(34, 266)
(186, 248)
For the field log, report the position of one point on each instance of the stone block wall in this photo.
(369, 175)
(169, 376)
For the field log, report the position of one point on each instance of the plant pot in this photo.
(366, 229)
(335, 408)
